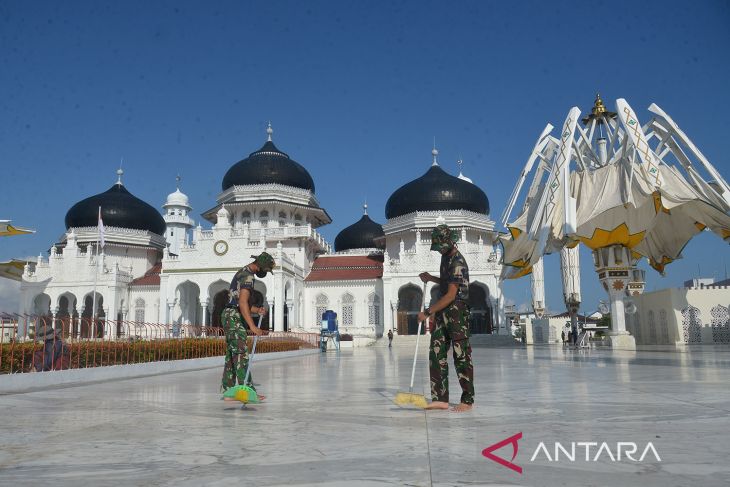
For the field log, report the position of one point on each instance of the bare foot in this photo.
(437, 405)
(462, 408)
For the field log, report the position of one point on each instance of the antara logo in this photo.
(589, 451)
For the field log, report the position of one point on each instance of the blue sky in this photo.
(356, 91)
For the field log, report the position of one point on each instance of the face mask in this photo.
(441, 246)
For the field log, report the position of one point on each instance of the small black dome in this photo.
(360, 235)
(268, 165)
(119, 208)
(436, 190)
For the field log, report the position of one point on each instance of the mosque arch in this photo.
(65, 317)
(187, 295)
(42, 305)
(90, 327)
(217, 300)
(410, 302)
(481, 317)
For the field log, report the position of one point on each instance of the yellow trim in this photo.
(515, 232)
(519, 263)
(725, 234)
(523, 272)
(572, 244)
(659, 266)
(14, 231)
(658, 203)
(700, 226)
(618, 236)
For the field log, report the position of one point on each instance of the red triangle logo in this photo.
(487, 452)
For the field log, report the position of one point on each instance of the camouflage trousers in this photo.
(452, 326)
(236, 349)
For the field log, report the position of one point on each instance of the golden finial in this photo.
(598, 112)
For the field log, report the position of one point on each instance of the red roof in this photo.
(346, 268)
(150, 278)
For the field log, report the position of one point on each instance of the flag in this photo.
(101, 229)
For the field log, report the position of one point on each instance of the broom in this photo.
(409, 398)
(243, 392)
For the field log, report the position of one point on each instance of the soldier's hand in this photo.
(422, 316)
(425, 276)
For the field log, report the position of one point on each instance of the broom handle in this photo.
(253, 351)
(418, 337)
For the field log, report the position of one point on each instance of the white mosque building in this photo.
(162, 268)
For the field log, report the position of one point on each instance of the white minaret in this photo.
(177, 208)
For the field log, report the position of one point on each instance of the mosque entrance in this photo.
(220, 300)
(410, 300)
(480, 320)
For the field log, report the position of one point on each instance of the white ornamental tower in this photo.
(177, 209)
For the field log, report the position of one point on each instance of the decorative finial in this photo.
(365, 208)
(435, 153)
(269, 131)
(459, 163)
(598, 112)
(177, 182)
(120, 172)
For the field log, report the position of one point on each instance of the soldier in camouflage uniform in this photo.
(237, 316)
(452, 323)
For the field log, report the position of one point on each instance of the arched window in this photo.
(348, 310)
(297, 220)
(246, 217)
(691, 325)
(139, 310)
(264, 217)
(321, 306)
(373, 310)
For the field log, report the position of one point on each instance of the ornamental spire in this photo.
(435, 153)
(365, 208)
(269, 131)
(120, 172)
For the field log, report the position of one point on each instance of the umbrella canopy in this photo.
(638, 187)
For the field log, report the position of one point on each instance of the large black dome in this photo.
(360, 235)
(436, 190)
(119, 208)
(266, 166)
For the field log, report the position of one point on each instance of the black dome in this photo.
(266, 166)
(119, 208)
(359, 235)
(436, 190)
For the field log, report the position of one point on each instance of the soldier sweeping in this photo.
(452, 323)
(236, 317)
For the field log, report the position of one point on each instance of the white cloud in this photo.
(9, 295)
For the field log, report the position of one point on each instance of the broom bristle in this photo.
(247, 395)
(410, 399)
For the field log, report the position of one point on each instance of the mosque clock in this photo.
(220, 247)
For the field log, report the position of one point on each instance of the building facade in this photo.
(161, 268)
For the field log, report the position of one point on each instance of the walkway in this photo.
(330, 421)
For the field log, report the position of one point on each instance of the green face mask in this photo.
(441, 247)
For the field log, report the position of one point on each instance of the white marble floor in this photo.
(329, 420)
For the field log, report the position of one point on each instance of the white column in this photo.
(537, 282)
